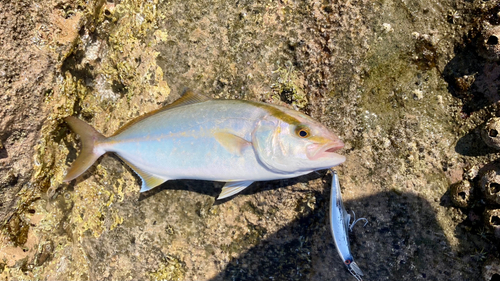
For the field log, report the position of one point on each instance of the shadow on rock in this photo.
(473, 145)
(473, 74)
(477, 242)
(3, 151)
(214, 188)
(402, 241)
(471, 79)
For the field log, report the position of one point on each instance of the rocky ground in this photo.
(408, 85)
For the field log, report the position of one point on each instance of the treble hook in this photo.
(351, 225)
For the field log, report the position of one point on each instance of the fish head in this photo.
(292, 142)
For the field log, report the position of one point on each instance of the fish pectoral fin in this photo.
(231, 143)
(149, 180)
(232, 188)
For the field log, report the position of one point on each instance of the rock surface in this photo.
(403, 83)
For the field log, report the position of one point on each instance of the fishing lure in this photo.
(340, 225)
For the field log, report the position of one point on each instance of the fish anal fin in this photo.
(231, 143)
(149, 180)
(232, 188)
(188, 97)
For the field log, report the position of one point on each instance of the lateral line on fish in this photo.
(183, 134)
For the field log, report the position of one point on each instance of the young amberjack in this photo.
(232, 141)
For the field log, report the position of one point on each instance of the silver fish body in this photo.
(169, 141)
(340, 226)
(231, 141)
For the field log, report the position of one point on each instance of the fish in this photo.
(195, 137)
(340, 225)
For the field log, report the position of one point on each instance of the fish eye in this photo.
(302, 132)
(347, 262)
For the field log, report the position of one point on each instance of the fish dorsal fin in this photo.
(231, 143)
(232, 188)
(149, 181)
(189, 97)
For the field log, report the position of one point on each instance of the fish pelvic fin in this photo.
(232, 188)
(89, 153)
(149, 181)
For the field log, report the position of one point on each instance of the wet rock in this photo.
(492, 220)
(491, 133)
(491, 270)
(489, 47)
(490, 185)
(461, 193)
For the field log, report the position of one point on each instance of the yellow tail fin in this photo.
(89, 154)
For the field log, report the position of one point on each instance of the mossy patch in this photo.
(170, 269)
(289, 87)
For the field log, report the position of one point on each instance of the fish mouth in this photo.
(316, 151)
